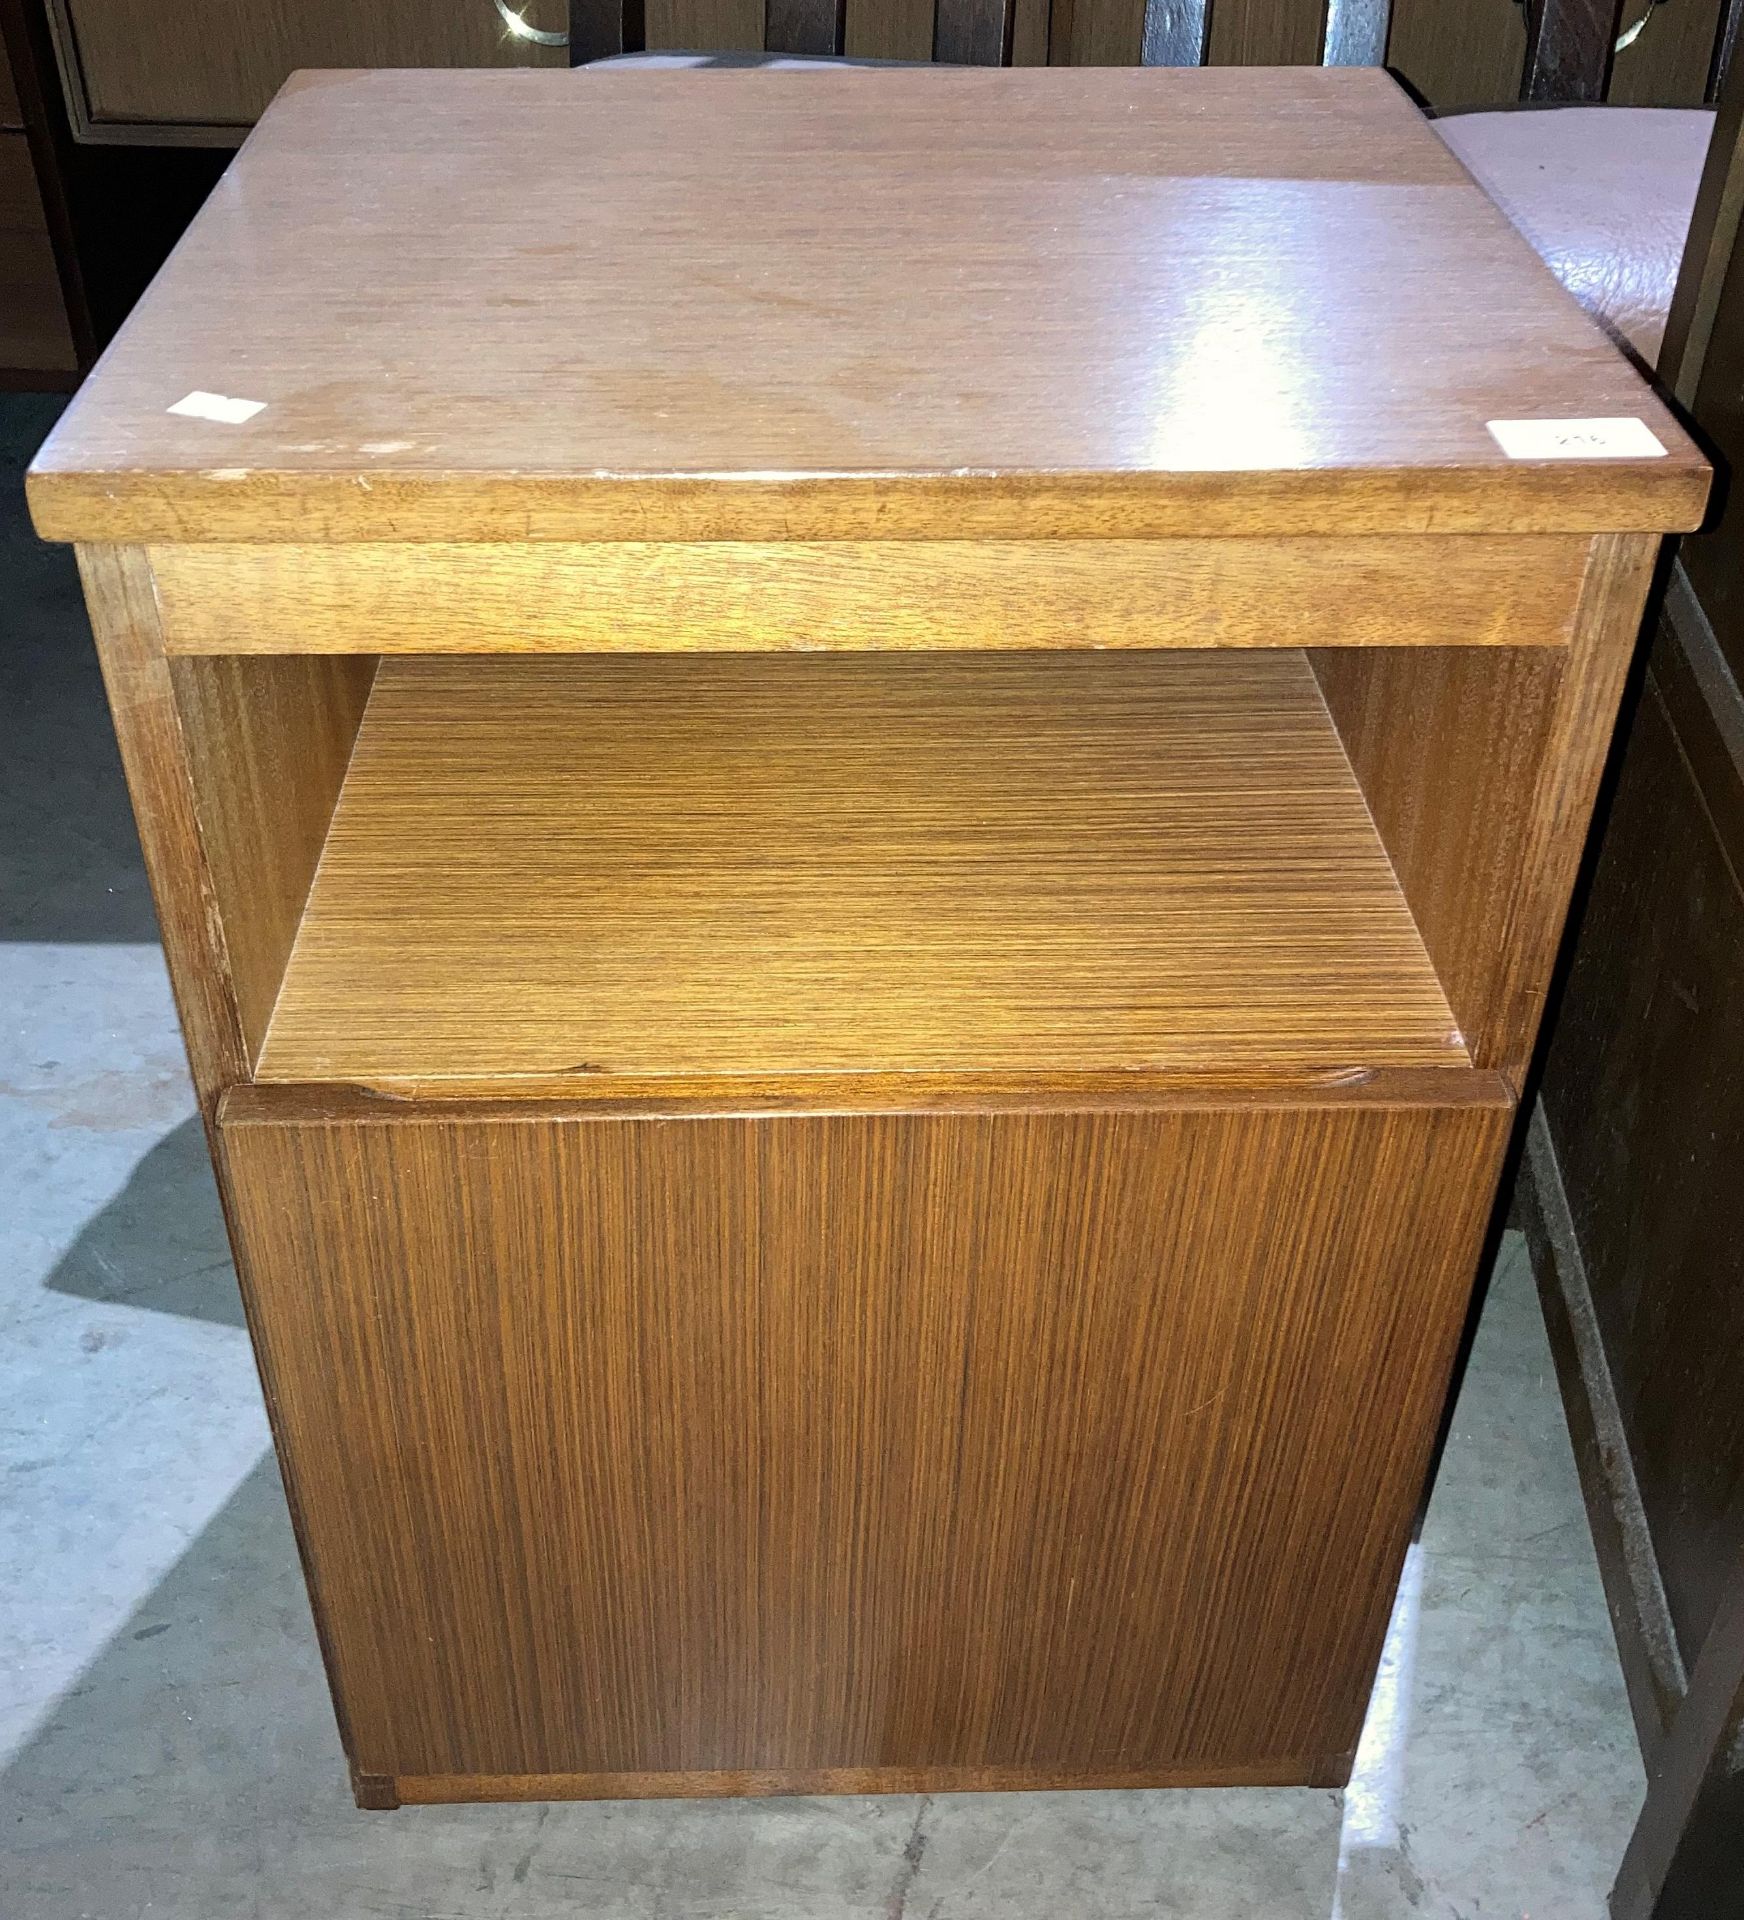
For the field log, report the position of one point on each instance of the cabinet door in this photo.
(216, 63)
(678, 1454)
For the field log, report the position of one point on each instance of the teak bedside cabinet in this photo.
(860, 785)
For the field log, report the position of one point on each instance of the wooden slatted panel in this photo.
(600, 28)
(1568, 48)
(708, 26)
(1097, 33)
(890, 29)
(1471, 55)
(972, 33)
(1668, 62)
(1031, 33)
(804, 26)
(1267, 33)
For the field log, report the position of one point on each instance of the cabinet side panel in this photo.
(268, 740)
(1481, 777)
(148, 726)
(1077, 1444)
(234, 768)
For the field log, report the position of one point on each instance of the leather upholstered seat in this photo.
(1604, 194)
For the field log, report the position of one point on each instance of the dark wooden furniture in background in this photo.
(202, 70)
(1629, 1186)
(82, 228)
(36, 335)
(824, 1203)
(169, 80)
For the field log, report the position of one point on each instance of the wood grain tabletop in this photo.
(850, 304)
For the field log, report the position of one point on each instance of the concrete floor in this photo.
(166, 1746)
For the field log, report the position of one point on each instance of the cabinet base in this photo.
(431, 1789)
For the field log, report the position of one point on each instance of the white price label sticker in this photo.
(216, 406)
(1623, 439)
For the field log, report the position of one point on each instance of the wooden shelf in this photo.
(721, 866)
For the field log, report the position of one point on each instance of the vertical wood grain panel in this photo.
(1073, 1441)
(803, 26)
(1031, 26)
(1470, 55)
(972, 33)
(267, 741)
(1267, 33)
(1668, 63)
(1481, 781)
(890, 29)
(1102, 33)
(706, 26)
(1644, 1098)
(148, 726)
(234, 767)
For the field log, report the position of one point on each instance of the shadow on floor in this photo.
(160, 1243)
(69, 857)
(193, 1771)
(144, 1788)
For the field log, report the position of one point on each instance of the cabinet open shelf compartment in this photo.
(588, 867)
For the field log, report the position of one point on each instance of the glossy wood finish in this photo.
(918, 1203)
(1482, 784)
(702, 1475)
(733, 596)
(1177, 359)
(798, 866)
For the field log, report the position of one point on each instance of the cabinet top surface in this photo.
(966, 302)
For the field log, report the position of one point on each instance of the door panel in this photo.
(1050, 1445)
